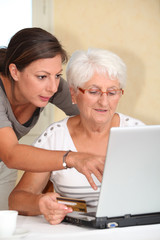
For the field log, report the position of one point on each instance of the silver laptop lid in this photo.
(131, 178)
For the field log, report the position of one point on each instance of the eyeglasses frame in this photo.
(84, 90)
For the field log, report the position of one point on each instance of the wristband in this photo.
(64, 159)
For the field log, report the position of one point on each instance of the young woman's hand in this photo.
(87, 164)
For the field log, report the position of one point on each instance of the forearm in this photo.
(25, 203)
(29, 158)
(29, 204)
(34, 159)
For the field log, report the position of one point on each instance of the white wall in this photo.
(14, 15)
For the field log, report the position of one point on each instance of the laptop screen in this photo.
(131, 178)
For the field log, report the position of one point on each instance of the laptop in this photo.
(130, 189)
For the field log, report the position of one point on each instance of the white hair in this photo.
(83, 64)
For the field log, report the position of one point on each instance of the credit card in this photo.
(76, 204)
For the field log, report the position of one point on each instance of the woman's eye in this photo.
(112, 93)
(94, 92)
(58, 75)
(42, 77)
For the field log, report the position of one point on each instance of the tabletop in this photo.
(37, 228)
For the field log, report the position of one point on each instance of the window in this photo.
(14, 16)
(18, 14)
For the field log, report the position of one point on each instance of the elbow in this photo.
(11, 165)
(10, 162)
(11, 157)
(11, 202)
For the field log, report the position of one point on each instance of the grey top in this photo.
(62, 99)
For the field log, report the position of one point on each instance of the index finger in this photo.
(90, 180)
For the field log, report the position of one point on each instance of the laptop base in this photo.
(126, 221)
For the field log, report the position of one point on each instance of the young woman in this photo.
(30, 78)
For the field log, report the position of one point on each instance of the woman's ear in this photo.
(13, 71)
(73, 95)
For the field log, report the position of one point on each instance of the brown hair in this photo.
(28, 45)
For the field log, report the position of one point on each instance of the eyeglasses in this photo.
(97, 93)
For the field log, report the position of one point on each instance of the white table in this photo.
(38, 229)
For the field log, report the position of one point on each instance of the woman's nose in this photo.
(103, 100)
(52, 85)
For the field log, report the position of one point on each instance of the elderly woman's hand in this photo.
(53, 211)
(87, 164)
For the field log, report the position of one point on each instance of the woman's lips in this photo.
(101, 110)
(44, 99)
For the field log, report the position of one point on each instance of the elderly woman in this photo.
(96, 79)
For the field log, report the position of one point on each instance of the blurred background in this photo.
(129, 28)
